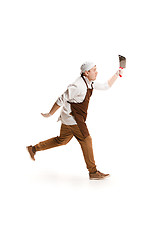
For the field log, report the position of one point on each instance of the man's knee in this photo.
(62, 141)
(88, 139)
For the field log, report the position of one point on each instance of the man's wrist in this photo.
(117, 73)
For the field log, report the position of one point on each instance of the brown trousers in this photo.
(66, 134)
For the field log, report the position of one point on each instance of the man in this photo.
(75, 102)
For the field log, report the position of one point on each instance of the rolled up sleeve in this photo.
(101, 86)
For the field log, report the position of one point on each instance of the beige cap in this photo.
(87, 66)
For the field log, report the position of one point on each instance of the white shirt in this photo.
(76, 93)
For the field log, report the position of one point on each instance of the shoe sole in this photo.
(100, 178)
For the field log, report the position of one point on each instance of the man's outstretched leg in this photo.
(65, 136)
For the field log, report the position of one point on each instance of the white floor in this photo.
(43, 200)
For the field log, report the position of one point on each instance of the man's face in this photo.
(91, 74)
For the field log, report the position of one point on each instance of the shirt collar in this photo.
(89, 83)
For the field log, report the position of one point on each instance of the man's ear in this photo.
(86, 73)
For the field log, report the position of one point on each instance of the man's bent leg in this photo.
(65, 136)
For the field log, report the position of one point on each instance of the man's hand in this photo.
(119, 72)
(115, 76)
(52, 111)
(46, 114)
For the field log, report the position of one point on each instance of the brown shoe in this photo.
(31, 152)
(97, 175)
(105, 175)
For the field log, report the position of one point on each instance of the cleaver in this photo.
(122, 62)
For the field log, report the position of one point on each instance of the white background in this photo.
(42, 45)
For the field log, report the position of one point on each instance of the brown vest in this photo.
(79, 111)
